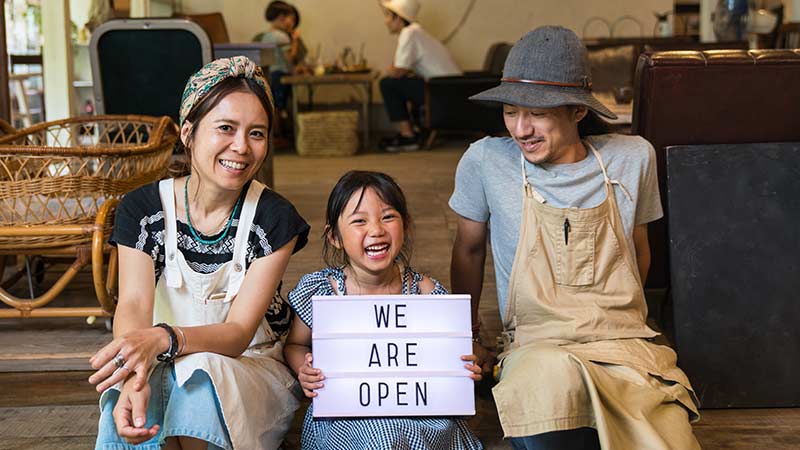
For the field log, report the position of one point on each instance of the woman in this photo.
(201, 257)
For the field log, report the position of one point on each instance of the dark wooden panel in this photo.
(734, 245)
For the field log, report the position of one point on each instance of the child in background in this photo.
(283, 19)
(368, 250)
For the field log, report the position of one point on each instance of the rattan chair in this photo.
(59, 185)
(6, 128)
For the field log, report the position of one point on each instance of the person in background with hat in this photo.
(418, 56)
(201, 256)
(568, 211)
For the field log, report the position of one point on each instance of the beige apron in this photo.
(577, 353)
(256, 391)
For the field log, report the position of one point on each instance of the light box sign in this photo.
(392, 355)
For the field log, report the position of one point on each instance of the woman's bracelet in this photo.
(183, 340)
(172, 351)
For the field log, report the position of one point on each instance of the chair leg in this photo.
(429, 141)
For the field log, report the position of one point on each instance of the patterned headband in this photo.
(213, 73)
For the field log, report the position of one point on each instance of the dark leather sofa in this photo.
(712, 97)
(447, 105)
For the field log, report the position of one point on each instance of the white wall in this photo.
(340, 23)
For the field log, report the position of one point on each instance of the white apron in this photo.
(257, 391)
(577, 353)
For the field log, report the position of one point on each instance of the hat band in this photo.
(585, 84)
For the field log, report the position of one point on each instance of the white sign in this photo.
(392, 355)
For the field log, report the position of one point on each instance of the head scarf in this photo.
(213, 73)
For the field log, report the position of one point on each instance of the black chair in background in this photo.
(447, 104)
(140, 66)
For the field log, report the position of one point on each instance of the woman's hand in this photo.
(472, 367)
(130, 414)
(132, 353)
(310, 378)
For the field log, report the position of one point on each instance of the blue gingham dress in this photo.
(396, 433)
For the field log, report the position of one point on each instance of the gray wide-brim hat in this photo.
(547, 68)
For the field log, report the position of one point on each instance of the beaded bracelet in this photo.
(170, 354)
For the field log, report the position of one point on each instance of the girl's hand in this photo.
(472, 367)
(134, 353)
(310, 378)
(130, 414)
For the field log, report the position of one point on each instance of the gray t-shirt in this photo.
(489, 188)
(283, 42)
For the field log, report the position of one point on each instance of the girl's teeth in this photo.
(377, 250)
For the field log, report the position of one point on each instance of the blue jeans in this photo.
(280, 91)
(577, 439)
(397, 92)
(190, 410)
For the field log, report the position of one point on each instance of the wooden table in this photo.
(360, 81)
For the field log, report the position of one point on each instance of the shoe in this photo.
(400, 143)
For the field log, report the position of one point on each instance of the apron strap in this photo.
(166, 190)
(529, 190)
(242, 234)
(608, 180)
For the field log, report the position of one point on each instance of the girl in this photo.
(201, 257)
(367, 248)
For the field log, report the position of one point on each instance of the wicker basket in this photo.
(327, 133)
(60, 173)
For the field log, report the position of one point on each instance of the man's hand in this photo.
(486, 358)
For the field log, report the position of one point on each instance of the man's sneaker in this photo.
(400, 143)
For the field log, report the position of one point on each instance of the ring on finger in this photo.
(125, 366)
(119, 361)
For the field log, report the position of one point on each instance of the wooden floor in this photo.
(46, 403)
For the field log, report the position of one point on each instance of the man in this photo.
(568, 214)
(418, 56)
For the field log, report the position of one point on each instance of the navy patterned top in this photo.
(395, 433)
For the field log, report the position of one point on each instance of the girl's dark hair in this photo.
(592, 124)
(209, 102)
(296, 16)
(358, 181)
(276, 9)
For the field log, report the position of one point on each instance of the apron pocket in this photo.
(575, 258)
(215, 308)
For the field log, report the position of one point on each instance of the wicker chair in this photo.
(59, 185)
(6, 128)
